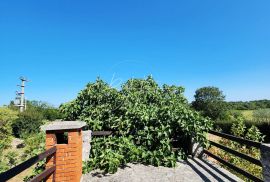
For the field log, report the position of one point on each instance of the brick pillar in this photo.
(67, 137)
(50, 161)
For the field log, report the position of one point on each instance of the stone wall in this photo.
(86, 145)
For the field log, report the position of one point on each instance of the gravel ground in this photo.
(194, 170)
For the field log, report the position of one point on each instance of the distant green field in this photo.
(253, 115)
(247, 114)
(259, 118)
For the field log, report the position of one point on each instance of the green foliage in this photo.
(34, 145)
(25, 125)
(3, 164)
(96, 103)
(8, 160)
(247, 114)
(30, 120)
(264, 127)
(109, 153)
(211, 102)
(256, 116)
(39, 168)
(261, 115)
(48, 112)
(7, 117)
(12, 158)
(28, 123)
(151, 114)
(254, 134)
(239, 129)
(250, 105)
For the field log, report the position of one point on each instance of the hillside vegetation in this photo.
(25, 128)
(249, 105)
(145, 117)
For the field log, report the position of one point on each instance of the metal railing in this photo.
(25, 165)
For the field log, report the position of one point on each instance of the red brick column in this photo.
(50, 161)
(68, 157)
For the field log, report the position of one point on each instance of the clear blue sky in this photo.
(62, 45)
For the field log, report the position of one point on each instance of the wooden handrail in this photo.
(235, 168)
(102, 133)
(238, 154)
(43, 175)
(25, 165)
(236, 139)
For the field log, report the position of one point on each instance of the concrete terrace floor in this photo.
(192, 170)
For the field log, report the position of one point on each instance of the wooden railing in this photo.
(222, 147)
(25, 165)
(236, 153)
(101, 133)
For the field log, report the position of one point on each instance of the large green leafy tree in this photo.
(210, 101)
(145, 117)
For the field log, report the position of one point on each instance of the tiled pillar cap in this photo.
(63, 125)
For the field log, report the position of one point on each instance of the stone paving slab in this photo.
(193, 170)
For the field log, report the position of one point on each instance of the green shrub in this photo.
(249, 105)
(34, 145)
(261, 115)
(12, 158)
(151, 114)
(28, 122)
(264, 127)
(52, 114)
(240, 129)
(48, 112)
(8, 160)
(7, 117)
(109, 153)
(3, 164)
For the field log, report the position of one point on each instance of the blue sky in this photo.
(62, 45)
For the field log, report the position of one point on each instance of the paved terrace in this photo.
(194, 170)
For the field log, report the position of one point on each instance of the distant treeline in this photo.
(249, 105)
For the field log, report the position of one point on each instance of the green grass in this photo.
(19, 152)
(247, 114)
